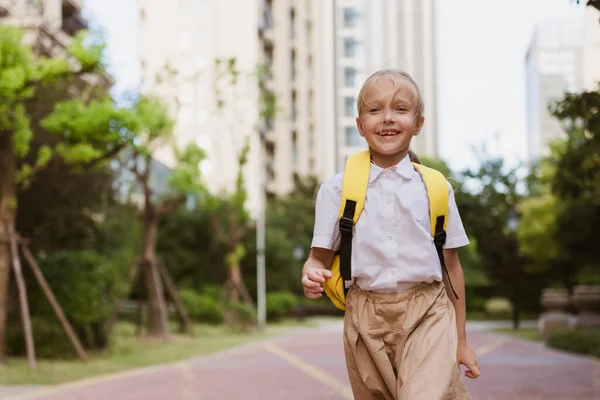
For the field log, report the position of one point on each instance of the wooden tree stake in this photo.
(176, 298)
(164, 312)
(16, 262)
(54, 303)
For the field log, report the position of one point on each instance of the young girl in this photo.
(404, 335)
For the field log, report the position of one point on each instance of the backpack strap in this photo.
(354, 191)
(437, 192)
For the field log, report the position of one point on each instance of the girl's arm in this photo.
(465, 355)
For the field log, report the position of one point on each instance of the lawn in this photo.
(523, 333)
(127, 352)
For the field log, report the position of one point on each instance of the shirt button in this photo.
(391, 237)
(389, 200)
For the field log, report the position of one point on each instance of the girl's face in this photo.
(388, 120)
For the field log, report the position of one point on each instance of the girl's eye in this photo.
(374, 110)
(401, 109)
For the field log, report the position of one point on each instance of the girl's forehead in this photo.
(387, 88)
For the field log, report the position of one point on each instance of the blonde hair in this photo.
(396, 75)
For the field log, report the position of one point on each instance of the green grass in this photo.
(127, 351)
(522, 333)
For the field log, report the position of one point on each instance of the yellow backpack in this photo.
(354, 190)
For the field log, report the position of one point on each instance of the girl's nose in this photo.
(388, 115)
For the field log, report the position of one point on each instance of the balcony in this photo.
(265, 29)
(5, 6)
(73, 23)
(72, 5)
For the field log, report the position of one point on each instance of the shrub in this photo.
(86, 285)
(239, 316)
(280, 303)
(201, 307)
(498, 307)
(49, 338)
(582, 341)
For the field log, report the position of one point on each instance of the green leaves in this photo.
(186, 177)
(87, 49)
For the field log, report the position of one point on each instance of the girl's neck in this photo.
(387, 161)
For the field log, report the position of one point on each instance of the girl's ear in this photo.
(359, 126)
(419, 125)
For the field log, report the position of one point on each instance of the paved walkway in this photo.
(309, 364)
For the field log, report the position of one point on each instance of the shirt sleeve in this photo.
(455, 231)
(326, 232)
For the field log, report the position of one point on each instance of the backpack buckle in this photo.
(346, 224)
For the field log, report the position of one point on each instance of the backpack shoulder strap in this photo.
(437, 193)
(354, 191)
(354, 184)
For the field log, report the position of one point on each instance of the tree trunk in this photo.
(516, 316)
(157, 305)
(238, 287)
(7, 217)
(236, 279)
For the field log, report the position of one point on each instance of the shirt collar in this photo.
(404, 168)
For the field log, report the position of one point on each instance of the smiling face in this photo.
(389, 116)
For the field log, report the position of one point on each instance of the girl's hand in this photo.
(466, 356)
(313, 280)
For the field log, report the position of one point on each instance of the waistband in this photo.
(376, 297)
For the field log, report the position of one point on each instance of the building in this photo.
(591, 48)
(318, 53)
(184, 48)
(311, 55)
(288, 46)
(358, 37)
(553, 66)
(49, 25)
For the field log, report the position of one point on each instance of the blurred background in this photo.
(159, 163)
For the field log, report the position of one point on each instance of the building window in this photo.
(292, 24)
(352, 47)
(352, 17)
(353, 138)
(349, 106)
(350, 76)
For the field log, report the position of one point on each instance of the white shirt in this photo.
(392, 246)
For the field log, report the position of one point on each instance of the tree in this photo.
(488, 212)
(231, 231)
(152, 130)
(21, 74)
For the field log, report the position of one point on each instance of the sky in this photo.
(481, 48)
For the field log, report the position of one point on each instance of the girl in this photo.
(404, 335)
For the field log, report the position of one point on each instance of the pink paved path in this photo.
(309, 364)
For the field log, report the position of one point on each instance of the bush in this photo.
(581, 341)
(476, 304)
(213, 291)
(498, 307)
(280, 303)
(49, 338)
(239, 316)
(201, 307)
(86, 285)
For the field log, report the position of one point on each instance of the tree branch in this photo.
(218, 228)
(170, 205)
(108, 155)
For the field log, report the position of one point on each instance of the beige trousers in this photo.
(402, 346)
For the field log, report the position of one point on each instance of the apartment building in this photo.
(319, 53)
(357, 37)
(553, 67)
(288, 47)
(180, 42)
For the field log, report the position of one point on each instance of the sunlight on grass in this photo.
(127, 352)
